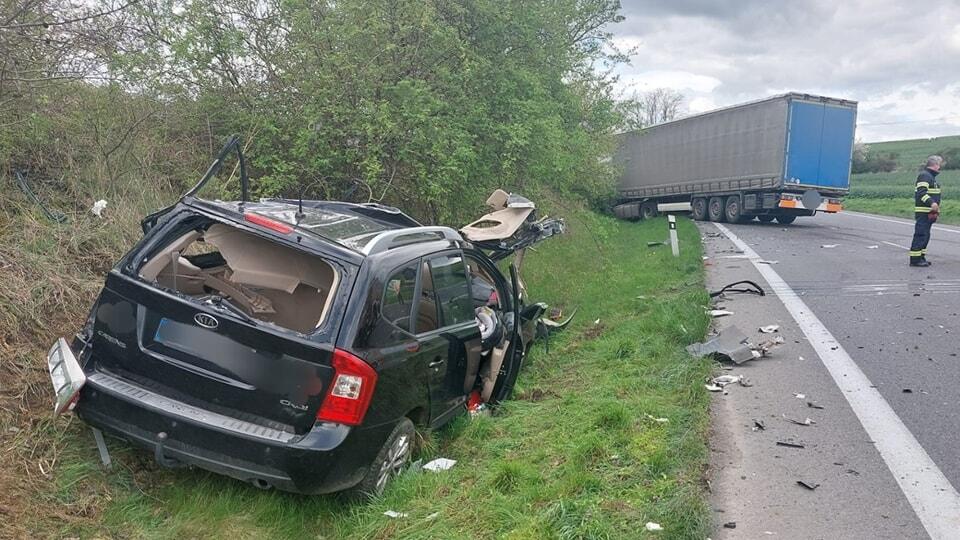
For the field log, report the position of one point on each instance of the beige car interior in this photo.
(266, 280)
(502, 223)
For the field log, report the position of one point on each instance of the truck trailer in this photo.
(778, 158)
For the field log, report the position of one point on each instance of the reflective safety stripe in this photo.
(923, 184)
(923, 251)
(916, 253)
(923, 209)
(925, 198)
(934, 191)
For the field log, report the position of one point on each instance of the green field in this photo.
(577, 454)
(892, 193)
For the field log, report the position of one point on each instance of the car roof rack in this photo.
(390, 239)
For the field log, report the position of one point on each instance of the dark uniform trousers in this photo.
(927, 192)
(921, 237)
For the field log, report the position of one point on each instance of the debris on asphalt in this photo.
(829, 246)
(98, 207)
(767, 262)
(713, 388)
(800, 396)
(790, 444)
(731, 343)
(758, 425)
(730, 525)
(769, 329)
(873, 247)
(651, 526)
(764, 348)
(719, 313)
(724, 380)
(752, 288)
(907, 391)
(395, 515)
(814, 405)
(809, 485)
(440, 464)
(807, 422)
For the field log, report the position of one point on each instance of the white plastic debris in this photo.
(651, 526)
(395, 515)
(596, 321)
(724, 380)
(432, 516)
(440, 464)
(800, 396)
(767, 262)
(770, 329)
(829, 246)
(98, 207)
(658, 420)
(719, 313)
(873, 247)
(713, 388)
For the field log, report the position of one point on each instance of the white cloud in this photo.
(899, 60)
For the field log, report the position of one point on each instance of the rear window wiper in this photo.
(225, 305)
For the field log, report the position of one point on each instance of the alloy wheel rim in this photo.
(397, 457)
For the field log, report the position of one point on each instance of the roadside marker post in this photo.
(674, 245)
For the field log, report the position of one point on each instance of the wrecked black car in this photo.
(296, 344)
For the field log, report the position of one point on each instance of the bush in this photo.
(865, 161)
(951, 158)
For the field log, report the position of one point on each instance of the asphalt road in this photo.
(896, 323)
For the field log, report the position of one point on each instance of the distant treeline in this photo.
(425, 105)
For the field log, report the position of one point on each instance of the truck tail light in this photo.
(350, 392)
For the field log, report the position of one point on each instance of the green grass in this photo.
(574, 455)
(892, 193)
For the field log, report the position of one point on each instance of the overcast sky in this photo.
(900, 60)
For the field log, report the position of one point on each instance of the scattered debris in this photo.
(873, 247)
(98, 208)
(596, 321)
(767, 262)
(713, 388)
(432, 516)
(853, 472)
(651, 526)
(807, 422)
(801, 359)
(655, 244)
(395, 515)
(809, 485)
(758, 425)
(730, 525)
(658, 420)
(752, 289)
(829, 246)
(800, 396)
(814, 405)
(719, 313)
(724, 380)
(20, 177)
(769, 329)
(790, 444)
(764, 348)
(907, 391)
(440, 464)
(732, 343)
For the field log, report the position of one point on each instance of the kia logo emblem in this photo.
(206, 321)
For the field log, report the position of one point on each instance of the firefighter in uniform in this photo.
(926, 210)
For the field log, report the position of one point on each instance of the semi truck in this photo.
(778, 158)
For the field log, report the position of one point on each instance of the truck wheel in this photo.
(715, 209)
(698, 209)
(732, 210)
(786, 220)
(765, 219)
(648, 210)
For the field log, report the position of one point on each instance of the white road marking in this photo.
(895, 245)
(931, 495)
(901, 222)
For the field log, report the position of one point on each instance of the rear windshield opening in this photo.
(263, 279)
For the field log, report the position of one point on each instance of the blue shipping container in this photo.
(819, 144)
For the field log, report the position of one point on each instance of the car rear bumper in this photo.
(329, 458)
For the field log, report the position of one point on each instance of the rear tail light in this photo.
(264, 221)
(350, 392)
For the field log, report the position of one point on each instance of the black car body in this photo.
(295, 344)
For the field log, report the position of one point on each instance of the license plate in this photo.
(66, 375)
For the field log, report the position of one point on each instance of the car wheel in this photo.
(715, 209)
(698, 209)
(648, 210)
(765, 219)
(392, 460)
(786, 220)
(732, 209)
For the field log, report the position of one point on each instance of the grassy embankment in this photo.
(892, 193)
(574, 455)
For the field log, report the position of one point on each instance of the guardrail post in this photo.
(674, 244)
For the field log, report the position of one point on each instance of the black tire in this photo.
(698, 209)
(392, 460)
(786, 220)
(765, 219)
(648, 210)
(732, 210)
(715, 210)
(507, 378)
